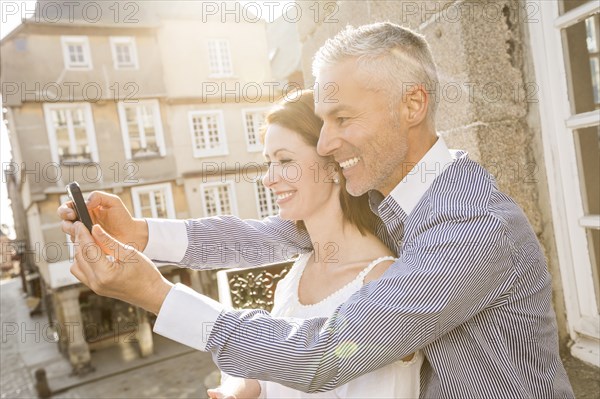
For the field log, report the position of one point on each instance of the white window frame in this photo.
(168, 193)
(221, 73)
(232, 196)
(258, 146)
(89, 128)
(222, 149)
(563, 174)
(158, 127)
(270, 200)
(130, 40)
(84, 41)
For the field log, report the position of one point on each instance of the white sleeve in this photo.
(167, 240)
(187, 317)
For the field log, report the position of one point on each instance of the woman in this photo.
(346, 253)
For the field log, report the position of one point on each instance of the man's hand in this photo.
(130, 277)
(108, 211)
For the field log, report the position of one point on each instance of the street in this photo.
(173, 372)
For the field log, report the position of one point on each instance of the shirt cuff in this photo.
(187, 317)
(167, 240)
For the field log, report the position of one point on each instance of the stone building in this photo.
(520, 90)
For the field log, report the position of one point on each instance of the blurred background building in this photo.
(164, 112)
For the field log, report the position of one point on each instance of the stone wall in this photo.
(488, 103)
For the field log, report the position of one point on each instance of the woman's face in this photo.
(302, 181)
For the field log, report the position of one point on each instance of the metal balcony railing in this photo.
(251, 288)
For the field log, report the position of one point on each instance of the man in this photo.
(470, 288)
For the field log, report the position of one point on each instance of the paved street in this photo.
(181, 377)
(15, 380)
(173, 372)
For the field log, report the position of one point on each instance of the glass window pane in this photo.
(145, 205)
(161, 204)
(224, 198)
(587, 143)
(210, 201)
(582, 65)
(568, 5)
(65, 132)
(593, 236)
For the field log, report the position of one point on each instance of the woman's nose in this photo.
(270, 177)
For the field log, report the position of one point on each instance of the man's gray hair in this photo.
(396, 58)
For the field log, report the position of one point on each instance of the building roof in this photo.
(117, 14)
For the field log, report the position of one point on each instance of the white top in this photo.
(396, 380)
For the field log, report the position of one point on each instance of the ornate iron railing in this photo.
(251, 288)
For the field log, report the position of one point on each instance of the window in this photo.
(219, 58)
(564, 45)
(265, 200)
(253, 120)
(154, 201)
(208, 135)
(218, 199)
(71, 132)
(141, 126)
(76, 52)
(124, 52)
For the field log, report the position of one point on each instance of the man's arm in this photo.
(224, 241)
(456, 266)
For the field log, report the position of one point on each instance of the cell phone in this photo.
(82, 212)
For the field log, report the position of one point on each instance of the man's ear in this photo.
(416, 100)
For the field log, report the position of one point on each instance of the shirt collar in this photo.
(409, 191)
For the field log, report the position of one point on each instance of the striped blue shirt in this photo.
(470, 289)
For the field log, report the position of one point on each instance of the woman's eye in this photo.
(280, 162)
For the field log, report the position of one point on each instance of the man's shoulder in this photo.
(464, 184)
(466, 188)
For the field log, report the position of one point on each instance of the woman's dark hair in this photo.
(298, 114)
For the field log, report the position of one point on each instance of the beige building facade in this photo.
(130, 110)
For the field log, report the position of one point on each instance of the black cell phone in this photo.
(82, 213)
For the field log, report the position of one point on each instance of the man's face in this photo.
(359, 130)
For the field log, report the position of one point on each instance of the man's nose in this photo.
(329, 141)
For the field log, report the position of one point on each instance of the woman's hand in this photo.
(236, 388)
(218, 393)
(130, 276)
(108, 211)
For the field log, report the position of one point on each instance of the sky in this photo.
(11, 12)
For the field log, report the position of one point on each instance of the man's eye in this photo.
(341, 119)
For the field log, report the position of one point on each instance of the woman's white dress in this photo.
(396, 380)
